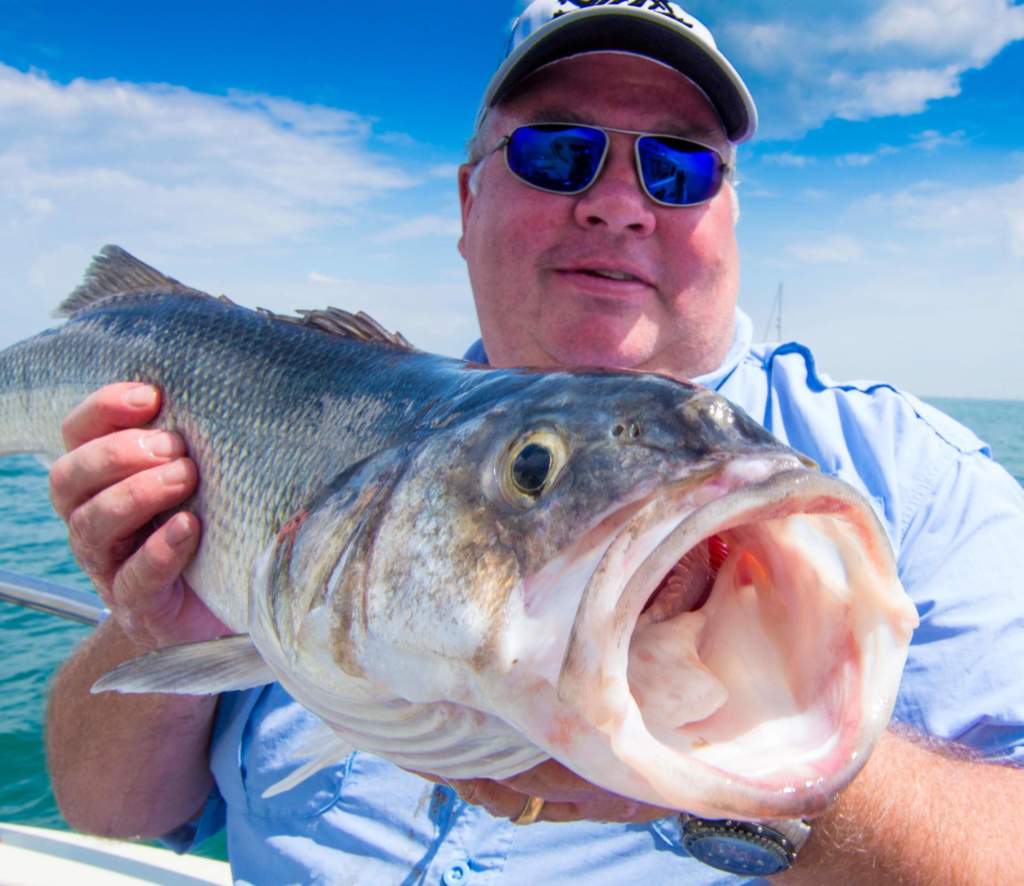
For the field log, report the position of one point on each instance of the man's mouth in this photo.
(613, 275)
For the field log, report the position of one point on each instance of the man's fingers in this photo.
(502, 801)
(156, 564)
(97, 464)
(154, 606)
(498, 800)
(102, 530)
(552, 780)
(146, 587)
(111, 408)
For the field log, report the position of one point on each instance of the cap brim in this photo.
(618, 29)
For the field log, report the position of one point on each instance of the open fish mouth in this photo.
(752, 657)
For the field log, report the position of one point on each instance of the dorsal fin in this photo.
(116, 272)
(336, 321)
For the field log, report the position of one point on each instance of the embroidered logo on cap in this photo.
(661, 6)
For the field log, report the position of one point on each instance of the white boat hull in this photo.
(36, 856)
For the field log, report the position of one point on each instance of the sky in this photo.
(303, 154)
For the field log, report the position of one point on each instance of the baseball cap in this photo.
(549, 30)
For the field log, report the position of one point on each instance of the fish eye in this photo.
(531, 466)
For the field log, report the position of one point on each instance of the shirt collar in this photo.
(742, 336)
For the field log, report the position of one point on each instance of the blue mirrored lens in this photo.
(556, 157)
(678, 172)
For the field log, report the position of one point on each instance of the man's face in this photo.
(539, 263)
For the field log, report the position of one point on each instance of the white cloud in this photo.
(929, 140)
(932, 139)
(421, 226)
(834, 249)
(160, 159)
(240, 193)
(787, 158)
(861, 59)
(766, 44)
(448, 171)
(1015, 219)
(898, 91)
(327, 279)
(856, 159)
(985, 221)
(972, 30)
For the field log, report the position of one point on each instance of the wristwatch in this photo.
(744, 847)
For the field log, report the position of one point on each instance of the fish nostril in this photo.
(634, 430)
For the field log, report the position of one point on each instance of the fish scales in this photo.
(285, 406)
(470, 570)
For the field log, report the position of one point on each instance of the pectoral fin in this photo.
(324, 747)
(192, 669)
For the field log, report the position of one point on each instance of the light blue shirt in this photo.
(956, 520)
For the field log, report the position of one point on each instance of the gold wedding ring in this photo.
(531, 811)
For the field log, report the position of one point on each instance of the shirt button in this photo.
(439, 799)
(456, 875)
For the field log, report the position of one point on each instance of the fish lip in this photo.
(731, 510)
(791, 489)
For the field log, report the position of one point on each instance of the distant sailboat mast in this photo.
(776, 315)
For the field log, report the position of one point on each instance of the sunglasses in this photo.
(567, 158)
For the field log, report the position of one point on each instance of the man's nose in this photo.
(617, 200)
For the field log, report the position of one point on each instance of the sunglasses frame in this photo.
(723, 168)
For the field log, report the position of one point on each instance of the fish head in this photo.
(514, 494)
(631, 573)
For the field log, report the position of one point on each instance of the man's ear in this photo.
(466, 197)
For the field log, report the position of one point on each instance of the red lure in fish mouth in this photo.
(687, 586)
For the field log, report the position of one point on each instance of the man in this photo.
(572, 262)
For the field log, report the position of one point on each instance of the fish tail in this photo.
(36, 392)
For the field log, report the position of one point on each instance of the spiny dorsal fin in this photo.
(116, 272)
(336, 321)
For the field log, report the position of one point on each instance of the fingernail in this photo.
(178, 530)
(140, 395)
(161, 444)
(174, 472)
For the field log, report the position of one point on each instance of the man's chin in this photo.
(602, 355)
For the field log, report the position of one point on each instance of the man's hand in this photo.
(128, 765)
(920, 812)
(567, 797)
(115, 480)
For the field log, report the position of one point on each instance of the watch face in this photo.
(737, 854)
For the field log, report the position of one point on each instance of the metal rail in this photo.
(45, 596)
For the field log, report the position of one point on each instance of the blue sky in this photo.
(303, 154)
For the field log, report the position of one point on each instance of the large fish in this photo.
(469, 571)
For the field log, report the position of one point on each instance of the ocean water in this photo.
(32, 645)
(33, 542)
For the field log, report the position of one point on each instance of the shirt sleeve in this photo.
(209, 821)
(959, 560)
